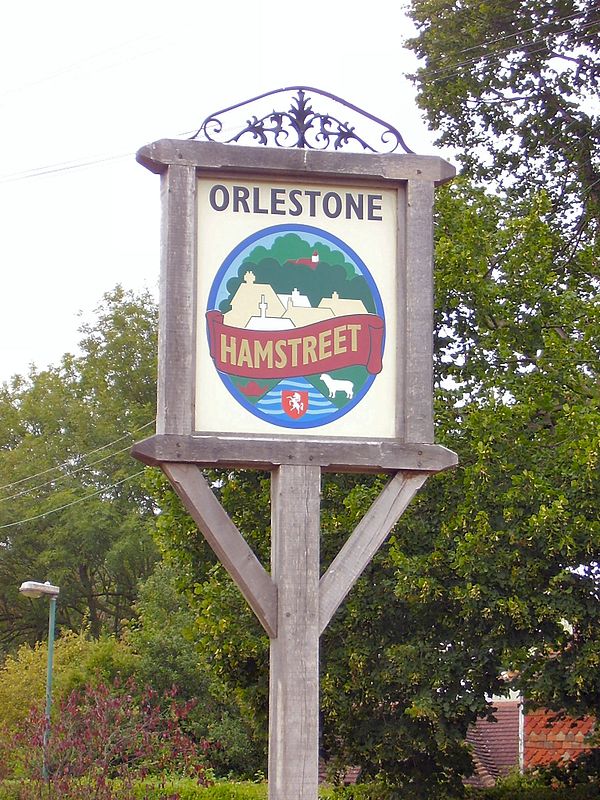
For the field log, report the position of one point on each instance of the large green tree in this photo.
(74, 509)
(513, 88)
(519, 337)
(164, 640)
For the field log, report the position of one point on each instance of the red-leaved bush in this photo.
(105, 738)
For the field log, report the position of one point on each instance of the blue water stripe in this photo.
(309, 413)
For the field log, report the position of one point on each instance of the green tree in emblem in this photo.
(275, 266)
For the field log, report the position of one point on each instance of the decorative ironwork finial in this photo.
(300, 125)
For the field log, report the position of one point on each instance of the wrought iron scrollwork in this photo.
(300, 125)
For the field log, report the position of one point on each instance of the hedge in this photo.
(185, 789)
(580, 792)
(252, 791)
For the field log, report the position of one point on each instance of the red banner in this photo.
(325, 346)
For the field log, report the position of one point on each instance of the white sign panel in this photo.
(296, 308)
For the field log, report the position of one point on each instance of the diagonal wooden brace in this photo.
(365, 541)
(227, 542)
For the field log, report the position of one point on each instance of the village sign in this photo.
(295, 335)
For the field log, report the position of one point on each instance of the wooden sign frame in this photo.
(413, 178)
(293, 602)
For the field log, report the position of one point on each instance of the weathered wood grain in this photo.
(160, 155)
(418, 314)
(332, 455)
(400, 305)
(176, 336)
(294, 673)
(229, 545)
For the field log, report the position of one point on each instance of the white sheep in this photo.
(335, 385)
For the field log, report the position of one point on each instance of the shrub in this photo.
(185, 790)
(164, 639)
(530, 787)
(103, 740)
(582, 770)
(77, 661)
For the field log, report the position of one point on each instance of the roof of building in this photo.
(247, 301)
(307, 316)
(553, 737)
(295, 299)
(341, 306)
(495, 744)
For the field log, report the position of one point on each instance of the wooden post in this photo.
(294, 673)
(177, 315)
(418, 313)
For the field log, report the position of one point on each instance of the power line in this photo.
(83, 62)
(65, 166)
(73, 502)
(451, 71)
(489, 42)
(590, 187)
(63, 477)
(69, 166)
(85, 455)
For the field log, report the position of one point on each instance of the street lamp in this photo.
(34, 589)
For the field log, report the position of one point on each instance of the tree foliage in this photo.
(157, 650)
(74, 509)
(164, 640)
(227, 634)
(513, 88)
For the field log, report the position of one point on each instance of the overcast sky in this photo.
(82, 82)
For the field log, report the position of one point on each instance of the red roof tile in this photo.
(550, 737)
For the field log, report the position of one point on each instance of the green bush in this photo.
(581, 792)
(367, 791)
(77, 661)
(185, 789)
(188, 789)
(9, 790)
(158, 650)
(164, 639)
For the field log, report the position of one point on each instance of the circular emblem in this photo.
(295, 326)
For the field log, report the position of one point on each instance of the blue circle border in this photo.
(217, 283)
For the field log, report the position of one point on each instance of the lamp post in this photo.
(34, 589)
